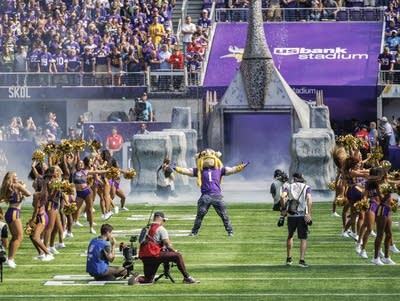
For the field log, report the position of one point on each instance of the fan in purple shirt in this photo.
(209, 173)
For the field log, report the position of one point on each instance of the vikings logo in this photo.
(235, 52)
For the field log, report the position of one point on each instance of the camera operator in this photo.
(157, 249)
(143, 110)
(3, 231)
(297, 201)
(101, 251)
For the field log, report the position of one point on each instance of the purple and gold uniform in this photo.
(80, 177)
(13, 213)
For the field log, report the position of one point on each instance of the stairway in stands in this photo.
(194, 8)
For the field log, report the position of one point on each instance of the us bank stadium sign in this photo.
(337, 53)
(18, 92)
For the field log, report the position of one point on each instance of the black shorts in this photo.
(297, 222)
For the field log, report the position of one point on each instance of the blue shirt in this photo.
(96, 262)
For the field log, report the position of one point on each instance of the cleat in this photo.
(124, 209)
(48, 257)
(60, 245)
(372, 234)
(381, 254)
(92, 231)
(289, 261)
(116, 210)
(193, 234)
(334, 214)
(77, 224)
(303, 264)
(230, 234)
(345, 234)
(353, 235)
(190, 280)
(69, 235)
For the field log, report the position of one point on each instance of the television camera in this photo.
(3, 258)
(130, 255)
(137, 113)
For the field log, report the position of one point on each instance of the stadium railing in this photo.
(389, 78)
(350, 14)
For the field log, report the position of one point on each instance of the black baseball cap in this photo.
(160, 214)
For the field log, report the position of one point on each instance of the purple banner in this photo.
(306, 54)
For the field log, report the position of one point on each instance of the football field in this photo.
(248, 266)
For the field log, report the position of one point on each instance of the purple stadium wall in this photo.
(339, 58)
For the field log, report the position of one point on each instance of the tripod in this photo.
(166, 273)
(1, 271)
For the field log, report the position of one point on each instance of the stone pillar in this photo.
(319, 117)
(181, 118)
(178, 155)
(148, 153)
(191, 145)
(312, 156)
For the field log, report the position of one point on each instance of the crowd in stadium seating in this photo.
(91, 37)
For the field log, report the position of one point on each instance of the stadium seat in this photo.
(355, 15)
(220, 4)
(342, 15)
(207, 3)
(370, 15)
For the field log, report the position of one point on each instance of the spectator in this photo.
(274, 11)
(317, 9)
(157, 32)
(50, 137)
(188, 29)
(386, 137)
(71, 133)
(30, 128)
(386, 61)
(393, 40)
(44, 65)
(330, 9)
(177, 62)
(362, 133)
(114, 143)
(92, 135)
(73, 66)
(204, 23)
(87, 66)
(143, 129)
(115, 66)
(52, 124)
(79, 125)
(373, 134)
(20, 64)
(39, 138)
(15, 128)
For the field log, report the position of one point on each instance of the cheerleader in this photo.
(39, 222)
(116, 190)
(54, 199)
(372, 192)
(83, 190)
(12, 192)
(104, 189)
(355, 176)
(383, 227)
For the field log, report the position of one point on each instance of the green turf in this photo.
(248, 266)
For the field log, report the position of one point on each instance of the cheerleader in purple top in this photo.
(209, 173)
(12, 191)
(372, 192)
(38, 222)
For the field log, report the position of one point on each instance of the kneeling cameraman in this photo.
(101, 252)
(157, 249)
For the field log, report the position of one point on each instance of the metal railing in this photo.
(169, 80)
(46, 79)
(351, 14)
(389, 77)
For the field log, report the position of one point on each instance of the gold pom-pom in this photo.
(113, 173)
(79, 145)
(66, 146)
(67, 187)
(50, 148)
(29, 228)
(38, 155)
(130, 173)
(70, 208)
(387, 188)
(94, 145)
(55, 185)
(361, 205)
(340, 200)
(394, 175)
(386, 165)
(332, 186)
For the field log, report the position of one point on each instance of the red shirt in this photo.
(114, 141)
(176, 60)
(363, 134)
